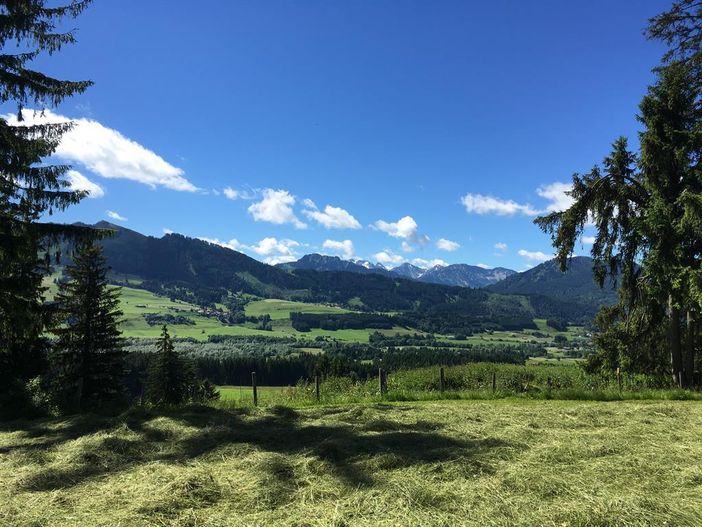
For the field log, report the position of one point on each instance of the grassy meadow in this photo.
(243, 395)
(474, 463)
(135, 303)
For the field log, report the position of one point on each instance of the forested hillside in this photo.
(205, 273)
(573, 293)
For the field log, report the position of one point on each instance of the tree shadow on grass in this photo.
(351, 445)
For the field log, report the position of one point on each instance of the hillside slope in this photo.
(574, 290)
(203, 273)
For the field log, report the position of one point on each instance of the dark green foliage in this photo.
(633, 340)
(155, 319)
(572, 295)
(647, 210)
(88, 357)
(29, 189)
(680, 28)
(204, 390)
(281, 362)
(333, 322)
(170, 377)
(264, 323)
(558, 324)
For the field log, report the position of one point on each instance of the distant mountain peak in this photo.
(409, 270)
(455, 275)
(465, 275)
(323, 262)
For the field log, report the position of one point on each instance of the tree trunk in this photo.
(675, 345)
(689, 355)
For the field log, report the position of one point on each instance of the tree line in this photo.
(82, 366)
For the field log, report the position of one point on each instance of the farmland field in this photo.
(135, 303)
(281, 309)
(497, 463)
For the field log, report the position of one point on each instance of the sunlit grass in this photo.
(496, 463)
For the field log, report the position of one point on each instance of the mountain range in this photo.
(203, 272)
(462, 275)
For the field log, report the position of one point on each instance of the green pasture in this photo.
(281, 309)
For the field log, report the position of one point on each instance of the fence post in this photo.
(494, 381)
(253, 384)
(619, 380)
(442, 382)
(548, 383)
(381, 381)
(316, 386)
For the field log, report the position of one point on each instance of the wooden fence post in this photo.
(494, 381)
(619, 380)
(442, 382)
(316, 386)
(253, 384)
(381, 381)
(548, 383)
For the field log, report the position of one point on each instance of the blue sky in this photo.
(431, 130)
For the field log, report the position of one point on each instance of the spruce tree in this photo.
(29, 189)
(89, 358)
(647, 210)
(170, 378)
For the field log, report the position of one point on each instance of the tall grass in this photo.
(475, 381)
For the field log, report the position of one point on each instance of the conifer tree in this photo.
(170, 378)
(29, 189)
(647, 212)
(88, 357)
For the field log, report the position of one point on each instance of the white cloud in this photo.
(447, 245)
(232, 244)
(332, 217)
(387, 257)
(115, 216)
(405, 227)
(483, 266)
(231, 193)
(344, 247)
(588, 240)
(275, 251)
(534, 256)
(480, 204)
(108, 153)
(234, 194)
(167, 231)
(276, 207)
(78, 181)
(426, 264)
(501, 246)
(278, 259)
(308, 203)
(556, 194)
